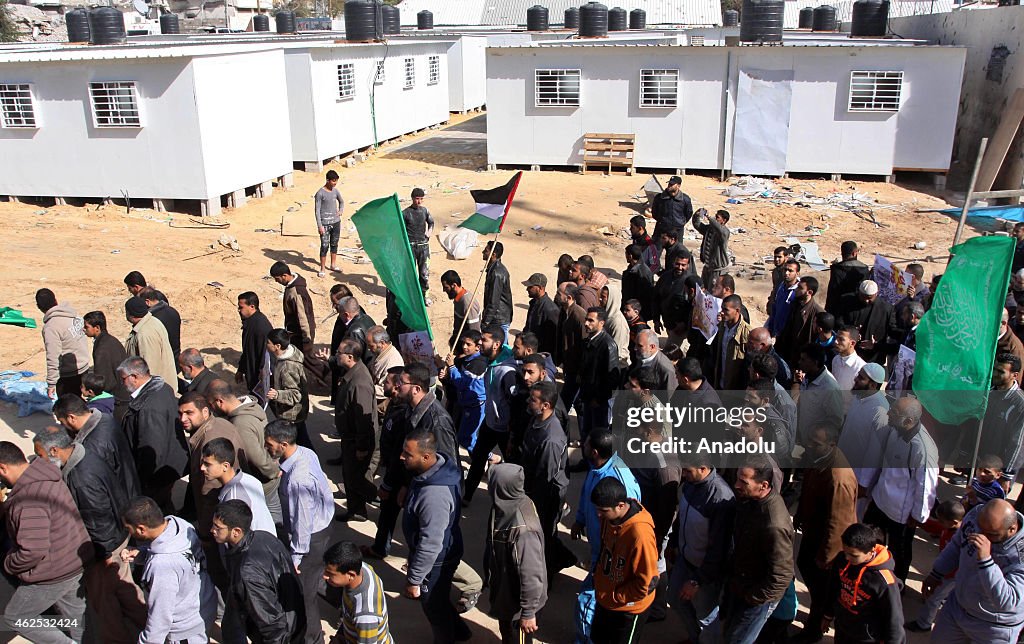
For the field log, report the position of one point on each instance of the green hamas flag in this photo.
(382, 231)
(956, 340)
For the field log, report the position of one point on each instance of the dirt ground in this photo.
(83, 254)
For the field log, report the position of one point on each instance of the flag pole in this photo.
(974, 457)
(483, 271)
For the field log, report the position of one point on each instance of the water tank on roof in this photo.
(362, 20)
(572, 18)
(637, 19)
(107, 26)
(618, 19)
(392, 20)
(730, 18)
(806, 18)
(870, 18)
(762, 21)
(78, 25)
(261, 22)
(285, 22)
(537, 18)
(825, 19)
(169, 24)
(593, 20)
(424, 20)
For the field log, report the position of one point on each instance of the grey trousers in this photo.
(24, 613)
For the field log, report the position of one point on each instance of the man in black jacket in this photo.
(255, 327)
(672, 308)
(100, 499)
(671, 209)
(195, 374)
(637, 279)
(167, 314)
(107, 353)
(102, 436)
(542, 316)
(844, 278)
(264, 594)
(393, 428)
(151, 424)
(425, 411)
(599, 374)
(497, 291)
(357, 323)
(355, 418)
(876, 320)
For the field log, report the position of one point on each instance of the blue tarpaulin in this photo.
(1013, 213)
(29, 395)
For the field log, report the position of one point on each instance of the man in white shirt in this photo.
(866, 426)
(235, 484)
(846, 364)
(902, 486)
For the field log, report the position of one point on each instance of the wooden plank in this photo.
(997, 194)
(1001, 141)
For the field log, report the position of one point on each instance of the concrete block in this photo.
(312, 166)
(237, 198)
(60, 201)
(14, 199)
(265, 189)
(350, 162)
(359, 157)
(163, 205)
(286, 180)
(939, 181)
(210, 207)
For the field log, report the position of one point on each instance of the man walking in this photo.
(328, 206)
(844, 278)
(355, 419)
(798, 330)
(431, 527)
(298, 308)
(497, 289)
(102, 436)
(49, 550)
(364, 606)
(466, 309)
(875, 319)
(148, 340)
(218, 465)
(166, 314)
(289, 392)
(254, 363)
(67, 349)
(728, 350)
(195, 376)
(599, 375)
(714, 248)
(542, 316)
(308, 505)
(500, 384)
(671, 209)
(783, 297)
(419, 226)
(107, 353)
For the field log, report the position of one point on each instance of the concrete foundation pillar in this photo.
(163, 205)
(60, 201)
(681, 172)
(312, 166)
(266, 189)
(837, 177)
(286, 180)
(237, 198)
(210, 207)
(14, 199)
(107, 201)
(939, 181)
(534, 168)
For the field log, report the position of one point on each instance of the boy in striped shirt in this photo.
(364, 608)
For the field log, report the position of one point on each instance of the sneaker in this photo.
(467, 602)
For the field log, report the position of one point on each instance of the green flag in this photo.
(382, 231)
(956, 340)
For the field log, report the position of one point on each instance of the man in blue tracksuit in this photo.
(499, 387)
(431, 527)
(599, 450)
(986, 602)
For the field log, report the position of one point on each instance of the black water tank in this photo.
(870, 18)
(392, 20)
(637, 19)
(806, 18)
(572, 18)
(78, 25)
(261, 22)
(362, 20)
(169, 24)
(537, 18)
(424, 20)
(618, 19)
(285, 21)
(730, 18)
(593, 20)
(762, 21)
(107, 25)
(825, 18)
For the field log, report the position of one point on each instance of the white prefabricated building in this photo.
(827, 108)
(347, 96)
(162, 122)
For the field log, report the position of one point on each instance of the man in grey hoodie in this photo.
(180, 597)
(67, 348)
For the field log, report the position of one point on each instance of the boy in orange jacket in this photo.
(626, 574)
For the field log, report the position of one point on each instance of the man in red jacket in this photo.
(49, 552)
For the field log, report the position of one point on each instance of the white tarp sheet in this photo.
(761, 132)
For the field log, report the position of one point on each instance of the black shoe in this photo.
(914, 627)
(351, 516)
(467, 602)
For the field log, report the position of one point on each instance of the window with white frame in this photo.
(115, 104)
(875, 91)
(16, 107)
(378, 78)
(659, 87)
(433, 70)
(346, 81)
(557, 87)
(410, 73)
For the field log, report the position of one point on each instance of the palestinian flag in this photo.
(492, 207)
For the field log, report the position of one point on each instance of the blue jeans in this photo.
(701, 611)
(741, 623)
(329, 240)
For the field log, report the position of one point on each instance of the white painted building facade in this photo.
(339, 102)
(189, 122)
(751, 110)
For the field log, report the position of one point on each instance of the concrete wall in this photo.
(982, 99)
(823, 135)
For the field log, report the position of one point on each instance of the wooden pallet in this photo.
(605, 152)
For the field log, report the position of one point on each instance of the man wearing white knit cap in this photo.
(875, 319)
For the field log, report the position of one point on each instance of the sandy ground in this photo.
(83, 254)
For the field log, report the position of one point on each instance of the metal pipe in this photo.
(970, 192)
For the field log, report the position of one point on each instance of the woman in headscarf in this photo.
(514, 558)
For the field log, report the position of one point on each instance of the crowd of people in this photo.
(847, 457)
